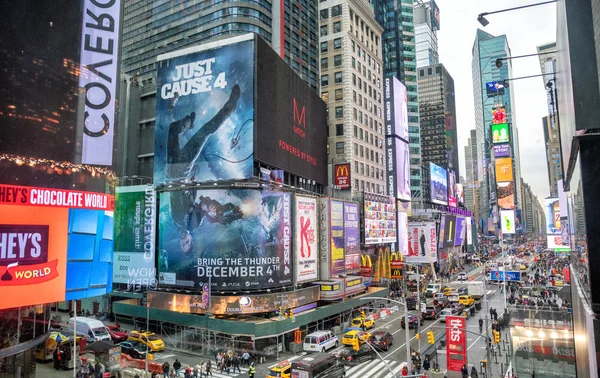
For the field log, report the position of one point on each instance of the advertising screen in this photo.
(504, 169)
(421, 243)
(461, 228)
(135, 218)
(232, 304)
(398, 174)
(55, 245)
(552, 210)
(402, 244)
(438, 184)
(205, 114)
(507, 222)
(342, 176)
(502, 150)
(298, 143)
(494, 88)
(506, 195)
(469, 232)
(499, 115)
(306, 243)
(460, 194)
(241, 238)
(380, 219)
(352, 235)
(500, 133)
(272, 176)
(338, 259)
(520, 226)
(451, 189)
(456, 342)
(555, 241)
(449, 234)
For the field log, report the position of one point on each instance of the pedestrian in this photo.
(246, 358)
(426, 364)
(480, 325)
(236, 363)
(209, 369)
(176, 366)
(251, 370)
(98, 370)
(474, 372)
(165, 368)
(228, 364)
(405, 371)
(464, 371)
(56, 359)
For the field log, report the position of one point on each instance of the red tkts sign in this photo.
(456, 342)
(342, 176)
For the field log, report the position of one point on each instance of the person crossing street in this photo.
(251, 370)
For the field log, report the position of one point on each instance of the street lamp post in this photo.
(484, 22)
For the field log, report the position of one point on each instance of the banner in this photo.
(502, 150)
(342, 176)
(452, 202)
(469, 232)
(447, 231)
(507, 222)
(422, 240)
(241, 238)
(456, 342)
(504, 169)
(438, 185)
(461, 228)
(305, 242)
(205, 114)
(402, 244)
(506, 195)
(338, 259)
(232, 304)
(380, 219)
(352, 236)
(553, 216)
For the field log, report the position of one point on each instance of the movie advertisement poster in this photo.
(205, 115)
(338, 258)
(552, 210)
(134, 256)
(402, 245)
(380, 219)
(451, 189)
(351, 230)
(506, 195)
(438, 185)
(422, 246)
(239, 238)
(461, 228)
(305, 241)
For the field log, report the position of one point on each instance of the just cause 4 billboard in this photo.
(225, 104)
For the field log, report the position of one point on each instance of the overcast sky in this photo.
(525, 29)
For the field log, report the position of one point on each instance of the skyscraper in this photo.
(486, 50)
(427, 23)
(351, 72)
(471, 185)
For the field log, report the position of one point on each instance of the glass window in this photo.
(337, 60)
(355, 131)
(339, 147)
(337, 43)
(324, 47)
(324, 80)
(355, 149)
(323, 30)
(324, 63)
(325, 96)
(337, 27)
(353, 62)
(324, 14)
(339, 129)
(339, 94)
(339, 112)
(336, 10)
(360, 132)
(338, 77)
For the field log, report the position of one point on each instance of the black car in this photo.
(412, 320)
(441, 302)
(381, 340)
(133, 349)
(431, 312)
(354, 357)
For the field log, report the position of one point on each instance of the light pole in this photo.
(484, 22)
(417, 325)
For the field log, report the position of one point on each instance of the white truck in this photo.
(476, 289)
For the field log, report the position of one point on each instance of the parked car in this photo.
(412, 320)
(147, 338)
(431, 312)
(381, 340)
(462, 276)
(355, 357)
(135, 350)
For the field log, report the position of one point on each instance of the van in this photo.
(320, 341)
(432, 289)
(320, 365)
(91, 328)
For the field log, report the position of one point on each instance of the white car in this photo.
(445, 312)
(463, 276)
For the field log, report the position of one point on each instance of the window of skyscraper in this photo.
(324, 63)
(325, 96)
(337, 60)
(336, 11)
(337, 43)
(324, 47)
(339, 148)
(339, 94)
(339, 129)
(324, 14)
(323, 30)
(337, 27)
(324, 80)
(339, 112)
(338, 77)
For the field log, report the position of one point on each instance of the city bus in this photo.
(318, 365)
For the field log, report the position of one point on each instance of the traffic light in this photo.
(362, 314)
(287, 314)
(417, 336)
(430, 338)
(496, 336)
(279, 311)
(291, 313)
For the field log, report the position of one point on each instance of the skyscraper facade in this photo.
(427, 23)
(471, 185)
(486, 50)
(351, 85)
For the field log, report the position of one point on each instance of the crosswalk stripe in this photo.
(381, 370)
(360, 369)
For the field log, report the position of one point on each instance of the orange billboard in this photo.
(504, 170)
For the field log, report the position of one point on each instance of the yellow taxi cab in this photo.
(281, 370)
(559, 283)
(466, 300)
(523, 267)
(360, 322)
(354, 336)
(448, 291)
(147, 338)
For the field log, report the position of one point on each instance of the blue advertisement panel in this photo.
(338, 259)
(205, 115)
(351, 231)
(438, 184)
(239, 238)
(498, 275)
(461, 228)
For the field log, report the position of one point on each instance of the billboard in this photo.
(241, 238)
(380, 219)
(555, 241)
(504, 169)
(135, 220)
(338, 259)
(402, 244)
(494, 88)
(451, 189)
(396, 109)
(447, 231)
(397, 173)
(438, 184)
(352, 235)
(519, 225)
(299, 142)
(55, 245)
(272, 176)
(456, 342)
(232, 304)
(506, 195)
(205, 113)
(469, 231)
(460, 194)
(306, 242)
(552, 210)
(421, 243)
(501, 150)
(342, 176)
(499, 115)
(461, 228)
(500, 133)
(507, 222)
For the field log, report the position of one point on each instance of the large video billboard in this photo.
(504, 169)
(452, 202)
(447, 231)
(205, 114)
(402, 244)
(502, 150)
(422, 246)
(500, 133)
(397, 172)
(507, 222)
(552, 210)
(306, 242)
(240, 238)
(338, 258)
(499, 115)
(506, 195)
(55, 245)
(461, 228)
(380, 219)
(396, 108)
(352, 235)
(438, 184)
(135, 220)
(291, 119)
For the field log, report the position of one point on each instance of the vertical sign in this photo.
(351, 236)
(338, 261)
(342, 176)
(324, 238)
(306, 239)
(456, 342)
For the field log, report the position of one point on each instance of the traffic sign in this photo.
(498, 275)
